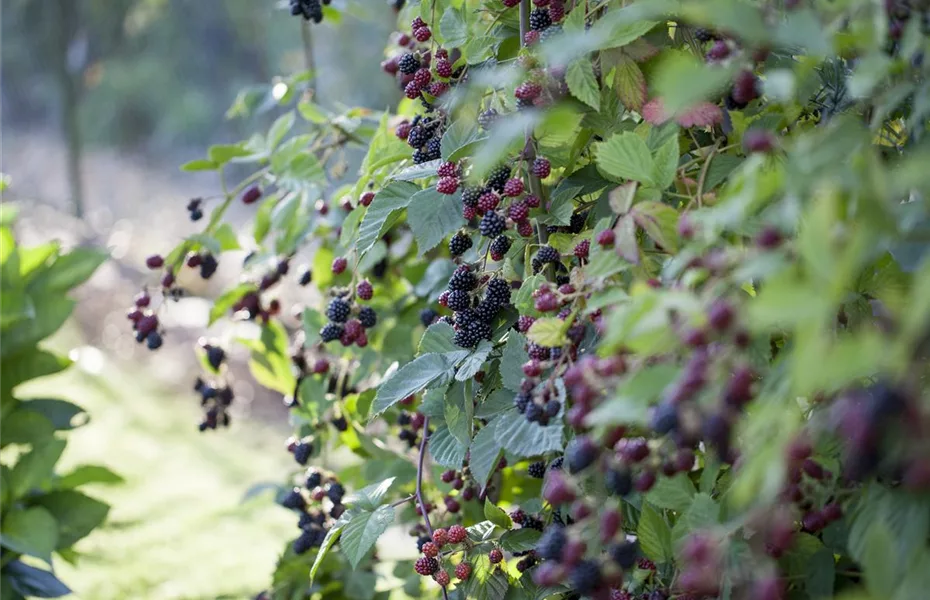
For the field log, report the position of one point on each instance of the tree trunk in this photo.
(65, 27)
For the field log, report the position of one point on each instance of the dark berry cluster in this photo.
(215, 400)
(340, 310)
(318, 502)
(311, 10)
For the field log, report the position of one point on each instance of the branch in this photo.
(397, 503)
(429, 526)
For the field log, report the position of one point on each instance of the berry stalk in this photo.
(420, 502)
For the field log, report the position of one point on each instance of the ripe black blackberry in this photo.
(311, 10)
(497, 292)
(500, 246)
(419, 157)
(459, 244)
(623, 553)
(470, 195)
(492, 225)
(153, 340)
(408, 64)
(551, 542)
(540, 19)
(486, 119)
(486, 311)
(331, 331)
(556, 465)
(305, 278)
(537, 265)
(208, 265)
(576, 224)
(338, 310)
(702, 34)
(535, 414)
(469, 335)
(585, 577)
(417, 137)
(423, 539)
(302, 452)
(521, 401)
(314, 478)
(368, 317)
(548, 254)
(463, 279)
(427, 316)
(335, 492)
(294, 500)
(498, 177)
(434, 149)
(303, 543)
(580, 453)
(458, 300)
(536, 470)
(618, 482)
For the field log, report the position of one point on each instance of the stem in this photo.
(704, 169)
(403, 501)
(429, 526)
(309, 62)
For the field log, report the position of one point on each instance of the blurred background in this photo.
(101, 101)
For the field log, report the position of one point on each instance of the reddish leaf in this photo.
(625, 232)
(630, 84)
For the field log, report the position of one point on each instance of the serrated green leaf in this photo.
(432, 216)
(512, 361)
(370, 496)
(410, 379)
(453, 28)
(582, 82)
(654, 535)
(35, 468)
(223, 153)
(484, 453)
(519, 436)
(437, 339)
(630, 84)
(445, 449)
(520, 540)
(561, 205)
(626, 156)
(420, 171)
(879, 560)
(279, 129)
(549, 332)
(496, 515)
(378, 218)
(77, 514)
(459, 412)
(312, 112)
(682, 81)
(362, 531)
(332, 536)
(523, 299)
(659, 221)
(820, 573)
(474, 361)
(702, 513)
(460, 138)
(673, 493)
(666, 159)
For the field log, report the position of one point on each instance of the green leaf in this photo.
(369, 497)
(279, 129)
(486, 582)
(582, 82)
(76, 513)
(31, 531)
(549, 332)
(626, 156)
(362, 531)
(225, 235)
(666, 159)
(880, 560)
(484, 453)
(561, 205)
(224, 303)
(520, 540)
(29, 581)
(512, 361)
(432, 216)
(35, 468)
(702, 513)
(682, 81)
(474, 361)
(523, 299)
(453, 28)
(459, 412)
(421, 171)
(24, 427)
(200, 164)
(499, 401)
(332, 536)
(410, 379)
(660, 221)
(445, 449)
(519, 436)
(270, 362)
(68, 271)
(673, 493)
(630, 84)
(496, 515)
(312, 112)
(654, 535)
(437, 339)
(460, 138)
(62, 414)
(87, 474)
(395, 197)
(820, 573)
(223, 153)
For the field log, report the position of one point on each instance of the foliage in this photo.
(688, 290)
(43, 511)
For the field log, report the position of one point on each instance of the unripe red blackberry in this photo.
(457, 534)
(719, 51)
(364, 290)
(519, 210)
(422, 78)
(528, 90)
(488, 201)
(606, 238)
(155, 261)
(167, 280)
(581, 249)
(513, 187)
(403, 130)
(442, 578)
(532, 201)
(511, 3)
(251, 195)
(525, 228)
(541, 167)
(530, 37)
(366, 198)
(423, 34)
(430, 549)
(339, 265)
(495, 556)
(768, 238)
(758, 140)
(499, 247)
(412, 90)
(447, 185)
(448, 169)
(720, 315)
(443, 68)
(469, 212)
(426, 566)
(525, 322)
(462, 571)
(389, 66)
(440, 537)
(556, 11)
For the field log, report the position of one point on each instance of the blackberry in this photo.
(499, 247)
(434, 149)
(585, 577)
(419, 157)
(553, 407)
(314, 479)
(551, 543)
(498, 177)
(548, 254)
(486, 119)
(426, 566)
(538, 352)
(463, 279)
(556, 465)
(541, 167)
(535, 414)
(368, 317)
(623, 553)
(618, 482)
(364, 290)
(208, 265)
(458, 300)
(427, 316)
(338, 310)
(665, 418)
(497, 292)
(469, 335)
(305, 278)
(335, 492)
(521, 401)
(340, 423)
(302, 452)
(423, 540)
(580, 453)
(537, 265)
(331, 331)
(702, 34)
(470, 195)
(417, 137)
(304, 541)
(533, 523)
(486, 311)
(550, 32)
(576, 223)
(537, 470)
(540, 19)
(492, 225)
(459, 244)
(408, 64)
(153, 340)
(294, 500)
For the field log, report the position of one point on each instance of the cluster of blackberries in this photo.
(341, 325)
(411, 68)
(204, 261)
(472, 320)
(314, 521)
(430, 565)
(195, 209)
(311, 10)
(525, 521)
(145, 322)
(424, 135)
(215, 401)
(410, 425)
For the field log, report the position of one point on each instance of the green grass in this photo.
(178, 527)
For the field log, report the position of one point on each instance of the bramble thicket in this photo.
(629, 300)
